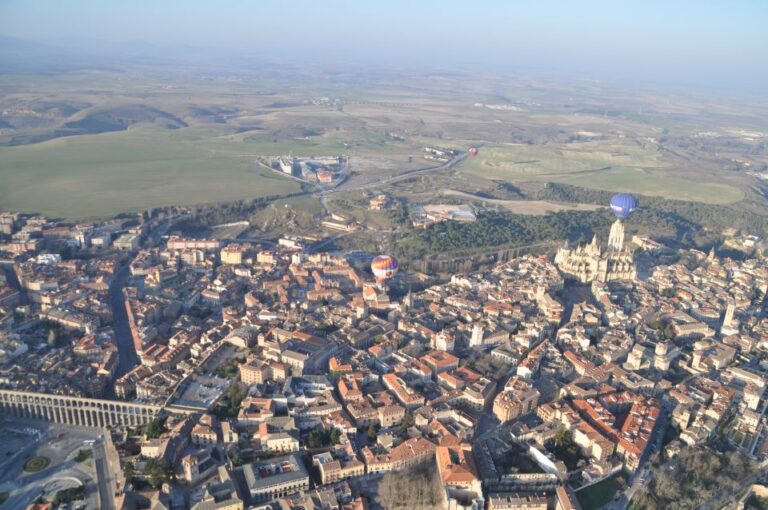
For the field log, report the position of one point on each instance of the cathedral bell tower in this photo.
(616, 236)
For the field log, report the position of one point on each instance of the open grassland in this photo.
(655, 184)
(104, 174)
(353, 210)
(160, 136)
(599, 165)
(294, 215)
(536, 207)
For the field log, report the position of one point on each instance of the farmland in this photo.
(598, 165)
(95, 143)
(108, 173)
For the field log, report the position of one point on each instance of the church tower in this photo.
(730, 325)
(616, 236)
(477, 335)
(408, 301)
(729, 311)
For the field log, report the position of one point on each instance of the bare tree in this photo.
(415, 487)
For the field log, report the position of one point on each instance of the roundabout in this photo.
(36, 464)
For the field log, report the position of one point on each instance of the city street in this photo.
(105, 478)
(127, 358)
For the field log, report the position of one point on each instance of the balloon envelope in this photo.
(384, 267)
(622, 205)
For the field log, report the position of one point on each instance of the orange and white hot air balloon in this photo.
(384, 267)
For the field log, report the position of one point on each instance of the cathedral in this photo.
(593, 262)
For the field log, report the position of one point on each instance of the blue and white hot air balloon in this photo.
(623, 205)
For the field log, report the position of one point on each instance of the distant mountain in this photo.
(101, 120)
(120, 118)
(20, 55)
(60, 55)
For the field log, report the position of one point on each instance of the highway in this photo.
(405, 175)
(345, 186)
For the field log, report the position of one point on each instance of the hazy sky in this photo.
(688, 41)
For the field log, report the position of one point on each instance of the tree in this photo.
(229, 405)
(320, 437)
(235, 394)
(237, 458)
(156, 427)
(565, 448)
(158, 472)
(415, 487)
(561, 436)
(129, 470)
(406, 423)
(755, 502)
(373, 432)
(66, 252)
(699, 475)
(69, 495)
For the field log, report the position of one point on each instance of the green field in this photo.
(600, 166)
(599, 494)
(104, 174)
(174, 136)
(265, 146)
(300, 212)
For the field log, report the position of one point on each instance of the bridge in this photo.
(78, 411)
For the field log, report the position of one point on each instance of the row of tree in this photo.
(690, 224)
(415, 487)
(697, 476)
(503, 228)
(707, 216)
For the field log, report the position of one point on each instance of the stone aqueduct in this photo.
(82, 412)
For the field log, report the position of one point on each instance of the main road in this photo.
(405, 175)
(127, 358)
(104, 477)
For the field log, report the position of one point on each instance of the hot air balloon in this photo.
(472, 151)
(622, 205)
(384, 267)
